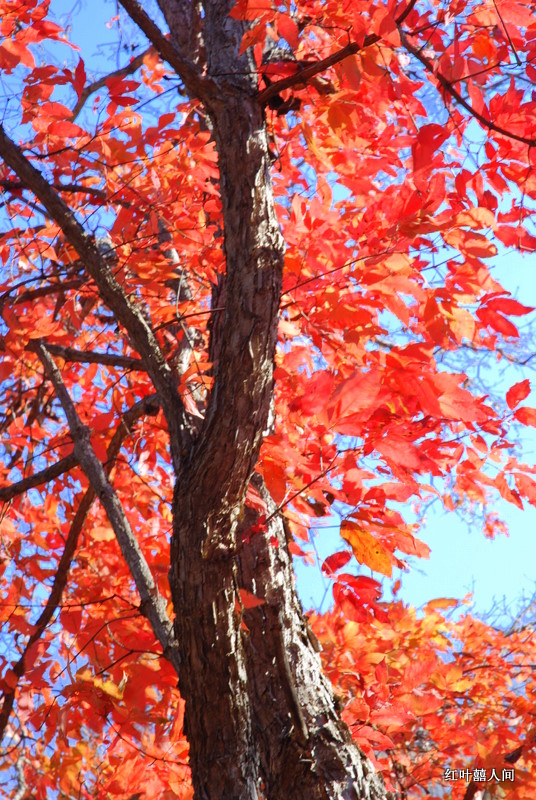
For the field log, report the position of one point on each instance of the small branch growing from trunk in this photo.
(91, 88)
(306, 73)
(455, 94)
(112, 294)
(185, 69)
(66, 464)
(90, 357)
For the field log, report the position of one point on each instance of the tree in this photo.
(224, 313)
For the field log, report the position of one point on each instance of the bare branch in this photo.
(90, 357)
(32, 294)
(454, 93)
(122, 72)
(128, 314)
(303, 74)
(152, 604)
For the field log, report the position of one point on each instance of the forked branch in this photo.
(111, 293)
(122, 72)
(302, 75)
(91, 357)
(152, 604)
(197, 84)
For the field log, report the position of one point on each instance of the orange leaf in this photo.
(470, 243)
(367, 549)
(441, 602)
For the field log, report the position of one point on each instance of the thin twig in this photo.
(12, 186)
(148, 405)
(510, 42)
(448, 87)
(122, 72)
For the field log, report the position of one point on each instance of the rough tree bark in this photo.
(260, 716)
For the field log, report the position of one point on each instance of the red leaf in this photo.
(366, 589)
(429, 139)
(506, 305)
(79, 78)
(354, 400)
(517, 393)
(526, 415)
(288, 29)
(18, 51)
(335, 562)
(496, 321)
(254, 500)
(526, 487)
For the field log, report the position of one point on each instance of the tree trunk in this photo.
(305, 749)
(260, 716)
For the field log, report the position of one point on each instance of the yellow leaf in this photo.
(478, 217)
(102, 534)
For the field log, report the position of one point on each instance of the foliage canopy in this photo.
(262, 246)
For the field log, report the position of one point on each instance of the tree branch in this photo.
(43, 291)
(148, 405)
(306, 73)
(122, 72)
(90, 357)
(303, 74)
(129, 315)
(455, 94)
(197, 84)
(10, 185)
(7, 493)
(152, 605)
